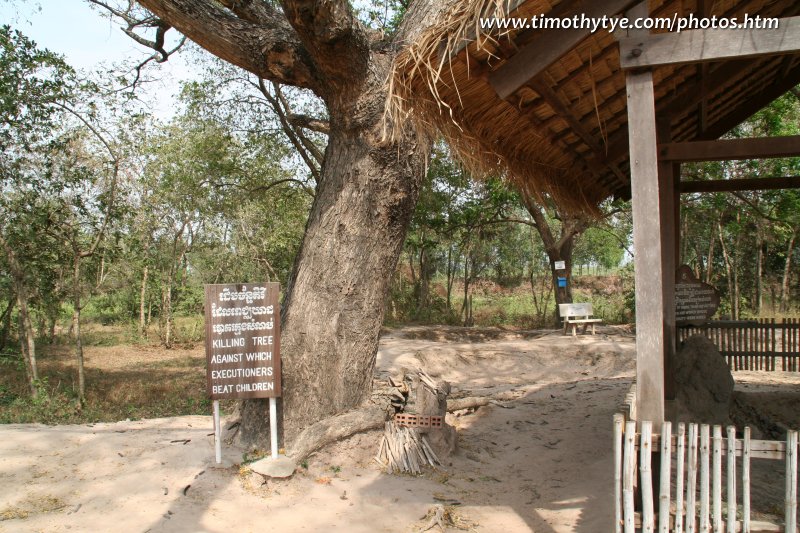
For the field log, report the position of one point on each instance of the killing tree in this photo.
(334, 303)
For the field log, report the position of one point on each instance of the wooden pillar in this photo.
(649, 252)
(671, 387)
(669, 199)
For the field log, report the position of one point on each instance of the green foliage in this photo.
(140, 389)
(598, 245)
(745, 243)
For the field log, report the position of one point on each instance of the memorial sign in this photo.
(243, 341)
(695, 301)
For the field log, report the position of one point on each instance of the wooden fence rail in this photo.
(703, 447)
(753, 344)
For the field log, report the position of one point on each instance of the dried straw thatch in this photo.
(428, 87)
(564, 133)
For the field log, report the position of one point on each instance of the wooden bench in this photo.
(574, 314)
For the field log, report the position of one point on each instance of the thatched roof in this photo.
(564, 131)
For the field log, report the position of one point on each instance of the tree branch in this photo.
(115, 162)
(269, 48)
(255, 11)
(308, 151)
(335, 39)
(309, 123)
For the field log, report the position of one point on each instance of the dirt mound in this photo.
(462, 334)
(704, 382)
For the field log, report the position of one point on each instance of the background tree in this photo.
(745, 243)
(32, 83)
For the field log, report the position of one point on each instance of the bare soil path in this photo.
(540, 461)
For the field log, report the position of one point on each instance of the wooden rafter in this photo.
(758, 101)
(749, 184)
(547, 46)
(688, 97)
(731, 149)
(696, 46)
(554, 101)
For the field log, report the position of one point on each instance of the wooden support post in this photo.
(731, 479)
(791, 480)
(716, 479)
(619, 422)
(669, 198)
(646, 476)
(217, 434)
(705, 482)
(746, 481)
(648, 246)
(691, 481)
(679, 461)
(628, 474)
(665, 475)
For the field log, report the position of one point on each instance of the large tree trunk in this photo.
(557, 249)
(333, 308)
(142, 304)
(27, 337)
(787, 271)
(759, 274)
(76, 325)
(334, 303)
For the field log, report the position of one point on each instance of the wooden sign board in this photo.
(695, 301)
(243, 341)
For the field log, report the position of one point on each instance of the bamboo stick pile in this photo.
(403, 449)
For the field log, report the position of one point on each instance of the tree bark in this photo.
(334, 308)
(142, 306)
(27, 336)
(76, 323)
(787, 270)
(334, 303)
(559, 249)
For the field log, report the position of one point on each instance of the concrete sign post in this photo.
(243, 348)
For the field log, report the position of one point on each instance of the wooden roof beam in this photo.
(749, 184)
(763, 98)
(731, 149)
(548, 46)
(563, 112)
(696, 46)
(682, 103)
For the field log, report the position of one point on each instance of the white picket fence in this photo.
(698, 458)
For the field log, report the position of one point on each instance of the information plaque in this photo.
(243, 340)
(695, 301)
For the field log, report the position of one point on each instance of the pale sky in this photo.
(88, 41)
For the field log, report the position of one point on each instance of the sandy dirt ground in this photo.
(540, 461)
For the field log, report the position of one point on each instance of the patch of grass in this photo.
(252, 457)
(32, 505)
(189, 329)
(147, 386)
(506, 309)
